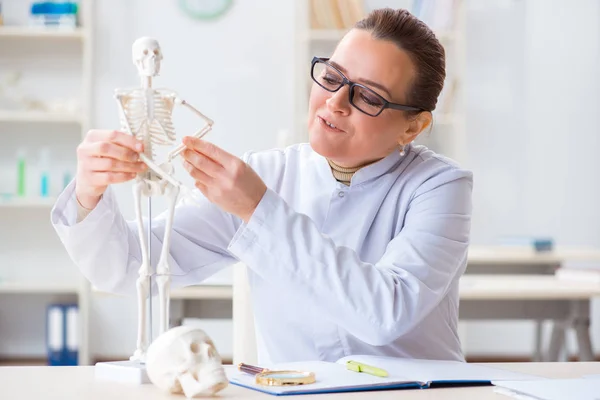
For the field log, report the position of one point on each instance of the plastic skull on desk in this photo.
(185, 360)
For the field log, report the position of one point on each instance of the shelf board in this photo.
(38, 116)
(196, 292)
(33, 202)
(37, 288)
(203, 292)
(40, 32)
(23, 362)
(334, 35)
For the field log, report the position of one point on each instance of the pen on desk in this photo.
(367, 369)
(251, 369)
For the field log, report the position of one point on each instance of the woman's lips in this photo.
(328, 125)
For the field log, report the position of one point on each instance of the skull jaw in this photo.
(148, 68)
(211, 381)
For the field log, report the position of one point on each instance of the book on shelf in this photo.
(335, 14)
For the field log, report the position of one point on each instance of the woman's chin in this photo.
(322, 146)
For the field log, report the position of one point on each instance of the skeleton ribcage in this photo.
(150, 122)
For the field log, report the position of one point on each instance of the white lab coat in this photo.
(334, 270)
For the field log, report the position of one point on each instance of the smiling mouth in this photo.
(328, 125)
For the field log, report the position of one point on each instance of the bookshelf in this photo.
(321, 24)
(22, 32)
(53, 64)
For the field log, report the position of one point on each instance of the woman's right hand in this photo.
(105, 157)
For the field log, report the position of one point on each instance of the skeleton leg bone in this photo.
(142, 284)
(163, 278)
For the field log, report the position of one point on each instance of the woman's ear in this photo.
(416, 125)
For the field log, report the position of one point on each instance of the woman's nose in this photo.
(338, 101)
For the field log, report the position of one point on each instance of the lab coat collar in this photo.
(367, 173)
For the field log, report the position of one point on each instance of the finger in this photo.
(109, 178)
(117, 137)
(112, 150)
(203, 163)
(203, 188)
(210, 150)
(114, 165)
(198, 175)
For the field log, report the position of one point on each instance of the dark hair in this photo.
(426, 52)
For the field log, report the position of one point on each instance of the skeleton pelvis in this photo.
(152, 184)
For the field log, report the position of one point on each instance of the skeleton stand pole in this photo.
(149, 241)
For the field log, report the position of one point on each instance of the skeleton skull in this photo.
(184, 360)
(147, 56)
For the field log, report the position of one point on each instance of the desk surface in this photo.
(524, 287)
(511, 255)
(67, 383)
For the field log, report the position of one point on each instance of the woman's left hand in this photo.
(223, 178)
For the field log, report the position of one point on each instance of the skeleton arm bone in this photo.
(199, 134)
(151, 164)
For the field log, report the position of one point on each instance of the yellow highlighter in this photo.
(367, 369)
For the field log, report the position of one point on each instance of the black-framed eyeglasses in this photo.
(361, 97)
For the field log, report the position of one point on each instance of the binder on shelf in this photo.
(62, 342)
(54, 334)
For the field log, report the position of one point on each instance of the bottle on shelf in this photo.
(21, 172)
(50, 14)
(44, 171)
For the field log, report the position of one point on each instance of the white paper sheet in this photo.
(556, 389)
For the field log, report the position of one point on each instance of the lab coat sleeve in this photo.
(106, 248)
(377, 302)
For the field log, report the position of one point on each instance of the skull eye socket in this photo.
(145, 52)
(194, 347)
(156, 52)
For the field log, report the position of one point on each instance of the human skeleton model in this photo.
(146, 114)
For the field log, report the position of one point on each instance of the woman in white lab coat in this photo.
(354, 242)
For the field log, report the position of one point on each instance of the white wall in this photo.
(533, 101)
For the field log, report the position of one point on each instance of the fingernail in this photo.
(139, 146)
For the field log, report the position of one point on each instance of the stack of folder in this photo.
(62, 334)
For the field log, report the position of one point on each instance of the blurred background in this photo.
(519, 108)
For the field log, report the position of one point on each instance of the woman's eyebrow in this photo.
(365, 81)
